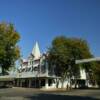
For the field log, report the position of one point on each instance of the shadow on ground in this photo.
(59, 97)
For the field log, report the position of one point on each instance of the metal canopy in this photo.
(87, 60)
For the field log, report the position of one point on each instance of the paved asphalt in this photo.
(36, 94)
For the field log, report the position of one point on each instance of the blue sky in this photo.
(42, 20)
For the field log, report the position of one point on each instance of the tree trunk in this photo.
(3, 71)
(75, 83)
(62, 84)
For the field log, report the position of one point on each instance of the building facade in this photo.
(35, 72)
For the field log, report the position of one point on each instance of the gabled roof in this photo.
(36, 51)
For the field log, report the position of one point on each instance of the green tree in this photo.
(63, 53)
(96, 72)
(9, 51)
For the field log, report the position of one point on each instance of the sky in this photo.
(43, 20)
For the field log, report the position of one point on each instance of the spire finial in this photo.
(36, 51)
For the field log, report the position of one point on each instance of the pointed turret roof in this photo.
(36, 51)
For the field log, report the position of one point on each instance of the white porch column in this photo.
(21, 82)
(46, 68)
(29, 83)
(17, 82)
(46, 83)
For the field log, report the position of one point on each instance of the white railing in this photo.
(6, 76)
(32, 74)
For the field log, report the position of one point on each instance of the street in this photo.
(36, 94)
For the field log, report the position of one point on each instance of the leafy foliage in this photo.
(64, 51)
(96, 72)
(9, 51)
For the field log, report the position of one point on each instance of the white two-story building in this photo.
(35, 72)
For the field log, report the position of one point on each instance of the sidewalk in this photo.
(42, 89)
